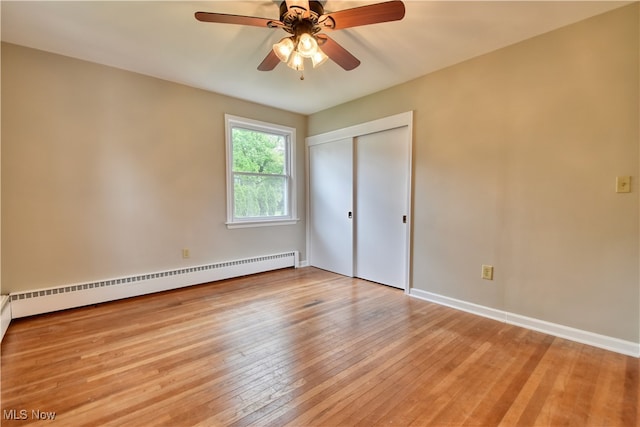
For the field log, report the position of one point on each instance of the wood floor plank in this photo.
(525, 351)
(302, 347)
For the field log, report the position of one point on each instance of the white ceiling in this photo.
(163, 39)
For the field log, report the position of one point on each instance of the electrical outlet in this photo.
(487, 272)
(185, 253)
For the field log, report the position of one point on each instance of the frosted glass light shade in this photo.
(296, 61)
(283, 49)
(319, 58)
(307, 45)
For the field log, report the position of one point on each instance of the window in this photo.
(260, 173)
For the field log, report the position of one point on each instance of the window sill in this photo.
(262, 223)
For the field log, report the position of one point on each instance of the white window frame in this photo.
(290, 142)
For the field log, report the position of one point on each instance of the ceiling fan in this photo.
(305, 20)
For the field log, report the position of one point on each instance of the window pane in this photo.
(259, 196)
(258, 152)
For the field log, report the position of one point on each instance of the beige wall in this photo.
(515, 158)
(107, 173)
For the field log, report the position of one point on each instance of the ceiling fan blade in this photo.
(365, 15)
(338, 54)
(224, 18)
(269, 62)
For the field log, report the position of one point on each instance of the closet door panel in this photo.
(330, 206)
(382, 173)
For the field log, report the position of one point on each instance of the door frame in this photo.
(386, 123)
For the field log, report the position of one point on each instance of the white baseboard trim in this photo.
(628, 348)
(617, 345)
(469, 307)
(5, 314)
(70, 296)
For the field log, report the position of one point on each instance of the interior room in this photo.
(510, 145)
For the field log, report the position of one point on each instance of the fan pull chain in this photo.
(301, 75)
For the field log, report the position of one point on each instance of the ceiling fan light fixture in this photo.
(305, 20)
(296, 61)
(283, 49)
(319, 58)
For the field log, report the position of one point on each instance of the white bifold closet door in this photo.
(359, 206)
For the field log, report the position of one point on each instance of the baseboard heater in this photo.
(5, 314)
(77, 295)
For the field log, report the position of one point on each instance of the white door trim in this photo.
(379, 125)
(385, 123)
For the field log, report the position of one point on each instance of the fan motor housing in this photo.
(314, 6)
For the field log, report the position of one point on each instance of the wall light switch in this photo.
(185, 253)
(487, 272)
(623, 184)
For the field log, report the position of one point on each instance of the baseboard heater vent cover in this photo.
(59, 298)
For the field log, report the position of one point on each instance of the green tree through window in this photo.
(260, 176)
(259, 171)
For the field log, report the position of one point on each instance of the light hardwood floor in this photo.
(303, 347)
